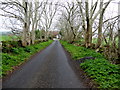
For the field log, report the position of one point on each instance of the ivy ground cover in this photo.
(105, 74)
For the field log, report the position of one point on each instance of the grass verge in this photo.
(104, 73)
(19, 55)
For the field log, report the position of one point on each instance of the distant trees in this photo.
(69, 21)
(48, 15)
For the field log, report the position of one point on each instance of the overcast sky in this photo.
(111, 11)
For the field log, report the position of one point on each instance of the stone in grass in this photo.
(81, 60)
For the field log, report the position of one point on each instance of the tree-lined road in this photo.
(48, 69)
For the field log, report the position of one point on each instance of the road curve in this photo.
(48, 69)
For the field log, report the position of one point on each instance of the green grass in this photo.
(7, 38)
(104, 73)
(19, 55)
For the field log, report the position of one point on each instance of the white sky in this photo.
(111, 11)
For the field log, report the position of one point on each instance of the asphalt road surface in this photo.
(48, 69)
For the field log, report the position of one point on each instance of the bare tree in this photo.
(34, 21)
(48, 15)
(70, 16)
(99, 42)
(91, 15)
(36, 17)
(27, 13)
(21, 12)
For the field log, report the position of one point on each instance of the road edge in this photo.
(87, 81)
(15, 68)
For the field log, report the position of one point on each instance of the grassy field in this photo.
(7, 38)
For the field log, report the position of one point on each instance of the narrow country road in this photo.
(48, 69)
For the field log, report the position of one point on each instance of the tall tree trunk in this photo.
(33, 36)
(73, 39)
(87, 35)
(26, 31)
(24, 34)
(119, 32)
(28, 24)
(88, 24)
(99, 40)
(90, 34)
(34, 23)
(24, 42)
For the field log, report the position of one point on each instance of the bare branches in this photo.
(116, 18)
(10, 10)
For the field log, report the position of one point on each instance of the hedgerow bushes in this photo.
(107, 75)
(18, 55)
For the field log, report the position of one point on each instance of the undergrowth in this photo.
(105, 74)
